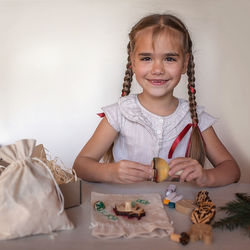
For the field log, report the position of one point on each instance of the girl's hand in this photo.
(129, 172)
(192, 170)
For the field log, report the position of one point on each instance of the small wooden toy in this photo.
(166, 201)
(201, 197)
(99, 205)
(171, 204)
(171, 196)
(202, 211)
(129, 210)
(201, 232)
(205, 211)
(202, 214)
(171, 189)
(185, 206)
(161, 168)
(183, 238)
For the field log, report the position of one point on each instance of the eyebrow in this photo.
(166, 54)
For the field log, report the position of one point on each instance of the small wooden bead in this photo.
(185, 206)
(165, 201)
(175, 237)
(171, 204)
(184, 239)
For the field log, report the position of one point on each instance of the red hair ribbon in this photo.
(188, 146)
(101, 114)
(191, 88)
(124, 93)
(180, 137)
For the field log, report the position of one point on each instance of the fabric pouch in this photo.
(106, 224)
(30, 199)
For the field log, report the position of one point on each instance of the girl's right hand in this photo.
(129, 172)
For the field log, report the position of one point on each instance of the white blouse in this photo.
(144, 135)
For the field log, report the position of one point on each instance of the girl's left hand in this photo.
(192, 170)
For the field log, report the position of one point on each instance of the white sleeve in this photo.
(206, 120)
(113, 115)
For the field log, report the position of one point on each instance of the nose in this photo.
(157, 68)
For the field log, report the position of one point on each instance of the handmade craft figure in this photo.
(202, 211)
(171, 196)
(205, 211)
(185, 206)
(182, 238)
(161, 169)
(130, 210)
(202, 232)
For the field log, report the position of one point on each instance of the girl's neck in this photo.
(159, 106)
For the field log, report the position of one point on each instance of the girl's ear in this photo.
(185, 64)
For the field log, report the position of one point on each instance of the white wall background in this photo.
(61, 61)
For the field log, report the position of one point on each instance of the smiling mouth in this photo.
(157, 82)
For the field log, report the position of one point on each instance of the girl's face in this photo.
(159, 64)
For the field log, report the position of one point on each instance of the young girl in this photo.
(155, 123)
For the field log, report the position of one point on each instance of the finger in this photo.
(125, 179)
(177, 161)
(133, 179)
(177, 168)
(134, 172)
(188, 171)
(139, 174)
(192, 176)
(142, 170)
(182, 165)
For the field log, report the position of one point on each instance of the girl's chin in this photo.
(156, 93)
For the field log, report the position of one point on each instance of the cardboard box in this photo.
(72, 193)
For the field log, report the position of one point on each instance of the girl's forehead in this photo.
(166, 38)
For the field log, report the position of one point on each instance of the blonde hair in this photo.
(159, 23)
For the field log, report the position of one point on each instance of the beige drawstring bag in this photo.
(30, 200)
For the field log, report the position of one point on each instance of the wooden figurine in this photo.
(126, 209)
(185, 206)
(202, 232)
(161, 168)
(182, 238)
(205, 211)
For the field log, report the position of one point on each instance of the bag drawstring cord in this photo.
(58, 190)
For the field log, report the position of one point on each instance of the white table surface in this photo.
(81, 238)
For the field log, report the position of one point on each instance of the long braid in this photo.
(128, 74)
(196, 146)
(191, 89)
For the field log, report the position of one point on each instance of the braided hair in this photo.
(159, 23)
(128, 74)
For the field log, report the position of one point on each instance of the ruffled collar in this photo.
(131, 108)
